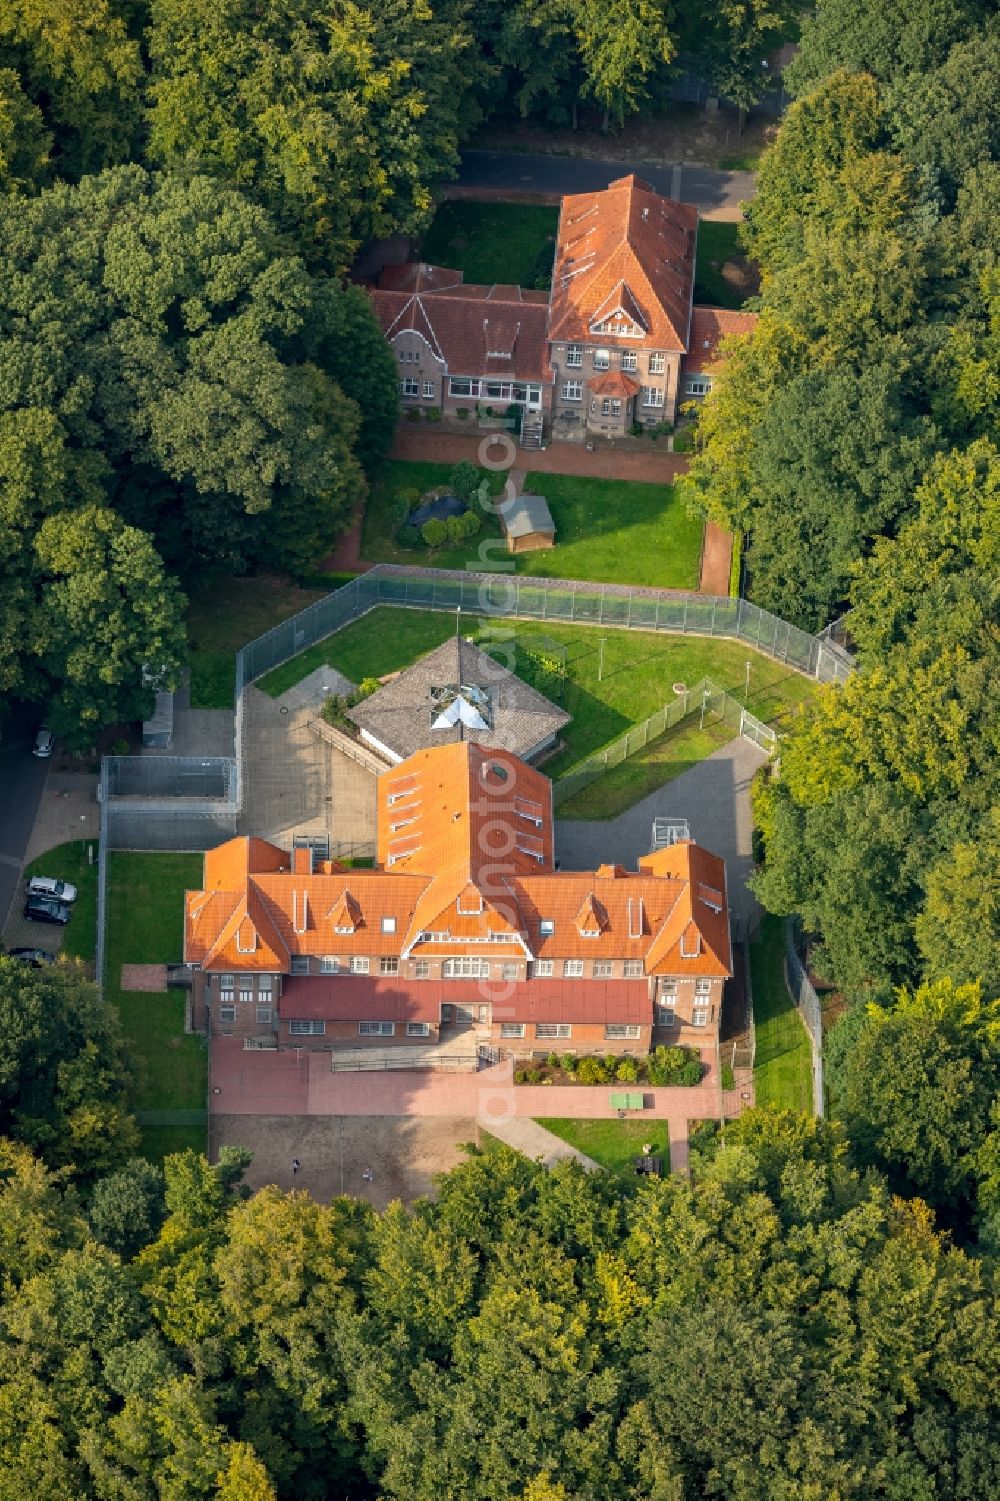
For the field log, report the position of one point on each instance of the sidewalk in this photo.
(557, 458)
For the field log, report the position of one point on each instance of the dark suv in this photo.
(43, 909)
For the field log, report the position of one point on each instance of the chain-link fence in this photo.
(807, 1002)
(706, 699)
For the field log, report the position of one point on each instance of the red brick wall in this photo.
(585, 1038)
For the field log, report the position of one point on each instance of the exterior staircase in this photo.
(531, 430)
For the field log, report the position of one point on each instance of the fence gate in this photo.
(756, 731)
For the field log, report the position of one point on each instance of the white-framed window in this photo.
(388, 965)
(227, 981)
(421, 970)
(461, 385)
(621, 1032)
(409, 387)
(418, 1029)
(508, 971)
(543, 968)
(652, 396)
(697, 385)
(657, 364)
(227, 996)
(306, 1029)
(376, 1029)
(300, 964)
(553, 1029)
(573, 969)
(388, 925)
(573, 390)
(512, 1029)
(547, 926)
(428, 390)
(610, 406)
(465, 968)
(574, 356)
(264, 1016)
(633, 969)
(265, 985)
(602, 359)
(630, 360)
(227, 1014)
(246, 994)
(703, 987)
(602, 969)
(329, 964)
(359, 964)
(699, 1016)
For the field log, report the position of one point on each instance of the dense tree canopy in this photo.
(524, 1336)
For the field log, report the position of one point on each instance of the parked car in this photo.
(43, 909)
(43, 743)
(37, 958)
(57, 891)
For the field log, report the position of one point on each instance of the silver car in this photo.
(57, 891)
(43, 743)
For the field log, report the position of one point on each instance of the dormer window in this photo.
(388, 925)
(602, 359)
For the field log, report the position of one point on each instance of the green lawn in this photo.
(610, 531)
(783, 1063)
(639, 668)
(491, 242)
(223, 614)
(160, 1141)
(717, 243)
(69, 862)
(614, 1144)
(145, 926)
(662, 760)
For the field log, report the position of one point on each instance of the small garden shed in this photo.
(527, 523)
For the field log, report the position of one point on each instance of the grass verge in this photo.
(160, 1141)
(491, 242)
(783, 1065)
(614, 1144)
(717, 243)
(69, 862)
(658, 763)
(145, 926)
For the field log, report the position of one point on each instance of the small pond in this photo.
(438, 509)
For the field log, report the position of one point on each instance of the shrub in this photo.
(520, 1076)
(728, 1077)
(409, 537)
(434, 533)
(534, 1076)
(637, 429)
(568, 1063)
(368, 685)
(627, 1071)
(413, 414)
(455, 529)
(684, 441)
(464, 478)
(672, 1066)
(399, 512)
(591, 1071)
(411, 495)
(471, 523)
(120, 747)
(462, 413)
(433, 414)
(552, 1061)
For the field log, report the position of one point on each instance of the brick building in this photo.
(464, 924)
(617, 340)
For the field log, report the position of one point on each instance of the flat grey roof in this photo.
(526, 514)
(401, 714)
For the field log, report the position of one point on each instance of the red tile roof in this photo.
(418, 276)
(630, 249)
(709, 326)
(614, 383)
(388, 998)
(502, 334)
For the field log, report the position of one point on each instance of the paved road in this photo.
(22, 779)
(717, 194)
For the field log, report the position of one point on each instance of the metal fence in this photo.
(500, 595)
(807, 1003)
(705, 698)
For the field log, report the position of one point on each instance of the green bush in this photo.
(568, 1063)
(471, 522)
(435, 533)
(552, 1061)
(456, 531)
(684, 441)
(409, 537)
(462, 413)
(413, 414)
(411, 495)
(627, 1071)
(399, 513)
(667, 1067)
(735, 565)
(591, 1071)
(520, 1076)
(463, 479)
(728, 1077)
(367, 686)
(433, 414)
(637, 429)
(534, 1076)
